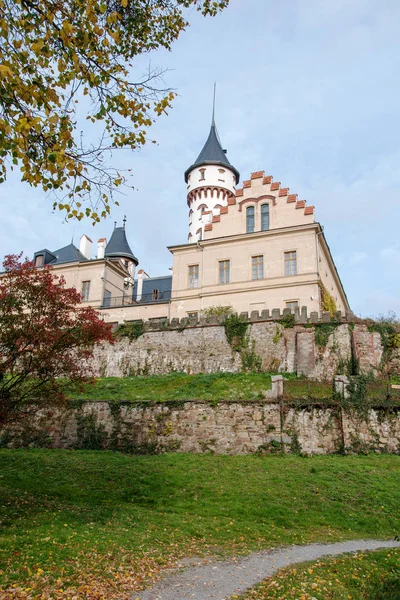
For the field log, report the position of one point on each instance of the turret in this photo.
(119, 248)
(211, 181)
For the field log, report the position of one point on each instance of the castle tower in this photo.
(211, 181)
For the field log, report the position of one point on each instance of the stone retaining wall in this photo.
(227, 428)
(204, 349)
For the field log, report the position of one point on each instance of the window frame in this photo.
(107, 299)
(248, 209)
(290, 261)
(85, 295)
(267, 204)
(257, 266)
(292, 308)
(226, 272)
(192, 281)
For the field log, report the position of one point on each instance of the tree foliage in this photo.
(46, 337)
(53, 54)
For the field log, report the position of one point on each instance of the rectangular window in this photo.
(193, 276)
(224, 271)
(290, 263)
(85, 291)
(257, 267)
(193, 315)
(107, 299)
(265, 217)
(292, 304)
(250, 222)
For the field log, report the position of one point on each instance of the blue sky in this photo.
(307, 91)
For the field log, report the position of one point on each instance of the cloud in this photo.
(391, 252)
(357, 257)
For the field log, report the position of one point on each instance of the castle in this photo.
(254, 248)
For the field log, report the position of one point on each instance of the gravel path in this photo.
(221, 580)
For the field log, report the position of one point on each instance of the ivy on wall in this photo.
(131, 330)
(328, 303)
(236, 334)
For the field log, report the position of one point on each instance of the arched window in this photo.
(264, 217)
(250, 219)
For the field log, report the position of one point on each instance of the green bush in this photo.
(235, 331)
(131, 330)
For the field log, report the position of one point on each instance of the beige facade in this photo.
(100, 281)
(251, 262)
(263, 250)
(253, 248)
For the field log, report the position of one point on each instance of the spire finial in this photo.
(124, 220)
(213, 111)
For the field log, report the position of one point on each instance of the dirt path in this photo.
(214, 580)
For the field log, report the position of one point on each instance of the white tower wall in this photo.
(208, 189)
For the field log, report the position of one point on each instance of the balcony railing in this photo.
(119, 301)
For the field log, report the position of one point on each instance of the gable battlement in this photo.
(285, 209)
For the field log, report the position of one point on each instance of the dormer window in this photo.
(39, 260)
(202, 175)
(155, 294)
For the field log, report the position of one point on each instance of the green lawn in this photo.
(180, 386)
(98, 524)
(362, 576)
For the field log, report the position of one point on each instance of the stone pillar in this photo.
(305, 353)
(277, 386)
(340, 386)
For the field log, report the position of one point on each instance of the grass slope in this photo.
(180, 386)
(362, 576)
(98, 524)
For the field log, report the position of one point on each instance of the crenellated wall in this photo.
(192, 347)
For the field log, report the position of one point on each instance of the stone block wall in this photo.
(203, 348)
(227, 428)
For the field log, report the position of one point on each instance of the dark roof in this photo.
(66, 254)
(212, 154)
(162, 284)
(118, 246)
(48, 257)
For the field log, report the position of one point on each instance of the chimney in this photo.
(101, 246)
(141, 275)
(85, 246)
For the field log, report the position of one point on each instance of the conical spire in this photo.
(118, 246)
(212, 152)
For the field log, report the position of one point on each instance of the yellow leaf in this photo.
(67, 27)
(124, 3)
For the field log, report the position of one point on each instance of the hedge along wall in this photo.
(226, 428)
(317, 350)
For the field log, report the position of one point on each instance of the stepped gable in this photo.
(270, 186)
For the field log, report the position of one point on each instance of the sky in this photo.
(307, 91)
